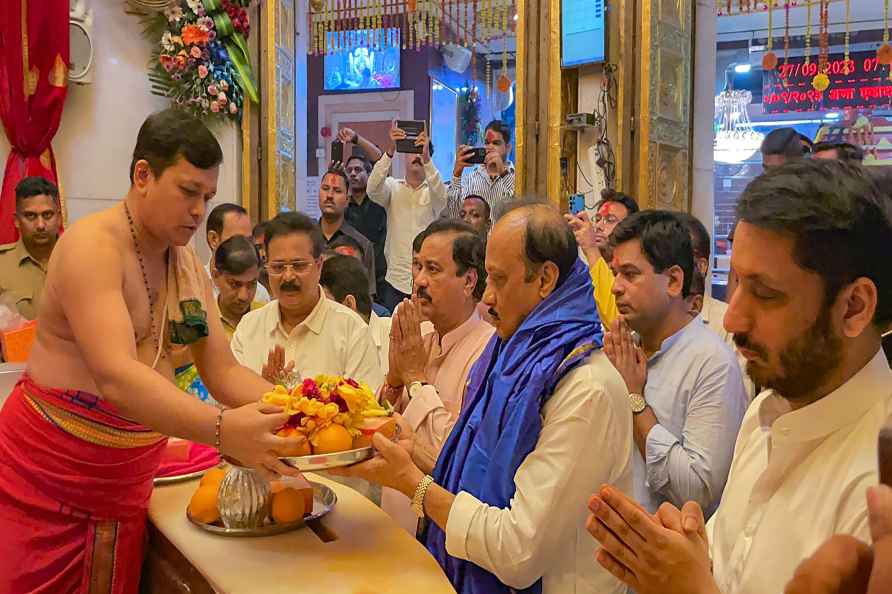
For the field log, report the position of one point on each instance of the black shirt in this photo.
(368, 256)
(370, 219)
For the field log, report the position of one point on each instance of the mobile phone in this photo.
(412, 128)
(577, 204)
(337, 151)
(884, 454)
(478, 155)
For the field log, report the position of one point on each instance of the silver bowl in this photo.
(244, 498)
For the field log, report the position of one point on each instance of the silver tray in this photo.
(180, 478)
(335, 459)
(324, 500)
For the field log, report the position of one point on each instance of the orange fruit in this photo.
(301, 449)
(287, 506)
(214, 476)
(334, 438)
(203, 505)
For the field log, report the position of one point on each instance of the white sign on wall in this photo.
(308, 200)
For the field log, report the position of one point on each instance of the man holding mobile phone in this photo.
(414, 202)
(493, 179)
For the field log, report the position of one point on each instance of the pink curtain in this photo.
(33, 84)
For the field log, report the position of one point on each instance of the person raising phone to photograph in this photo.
(415, 202)
(492, 179)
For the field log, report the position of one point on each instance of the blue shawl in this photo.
(500, 422)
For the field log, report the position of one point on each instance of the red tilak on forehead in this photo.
(492, 136)
(604, 210)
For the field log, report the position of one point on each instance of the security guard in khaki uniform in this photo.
(23, 264)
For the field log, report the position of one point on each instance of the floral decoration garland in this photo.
(469, 116)
(201, 62)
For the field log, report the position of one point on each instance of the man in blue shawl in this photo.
(545, 421)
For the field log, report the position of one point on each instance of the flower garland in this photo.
(884, 52)
(769, 60)
(469, 108)
(821, 81)
(201, 62)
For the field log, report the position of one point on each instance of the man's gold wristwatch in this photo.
(414, 388)
(637, 402)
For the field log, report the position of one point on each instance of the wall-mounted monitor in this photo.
(583, 39)
(369, 61)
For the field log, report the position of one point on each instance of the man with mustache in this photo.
(613, 208)
(544, 417)
(685, 386)
(333, 202)
(23, 263)
(412, 204)
(302, 330)
(813, 297)
(428, 372)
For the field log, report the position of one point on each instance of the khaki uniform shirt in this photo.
(21, 279)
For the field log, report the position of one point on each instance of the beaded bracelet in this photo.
(217, 430)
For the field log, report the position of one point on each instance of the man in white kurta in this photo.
(316, 334)
(584, 439)
(807, 313)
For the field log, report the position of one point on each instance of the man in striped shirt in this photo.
(493, 180)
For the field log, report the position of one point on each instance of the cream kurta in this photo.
(798, 477)
(585, 442)
(332, 340)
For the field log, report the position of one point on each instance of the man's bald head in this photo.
(546, 236)
(530, 252)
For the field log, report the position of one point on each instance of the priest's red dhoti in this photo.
(75, 482)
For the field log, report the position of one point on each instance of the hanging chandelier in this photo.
(735, 139)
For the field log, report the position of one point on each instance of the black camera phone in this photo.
(337, 152)
(412, 128)
(478, 155)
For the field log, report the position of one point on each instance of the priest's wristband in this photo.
(217, 430)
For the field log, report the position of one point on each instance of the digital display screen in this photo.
(582, 32)
(859, 82)
(367, 61)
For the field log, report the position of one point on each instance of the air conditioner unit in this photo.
(80, 30)
(457, 58)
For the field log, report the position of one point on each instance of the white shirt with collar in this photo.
(495, 190)
(586, 441)
(798, 477)
(332, 340)
(379, 332)
(409, 211)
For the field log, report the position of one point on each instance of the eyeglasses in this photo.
(609, 219)
(279, 268)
